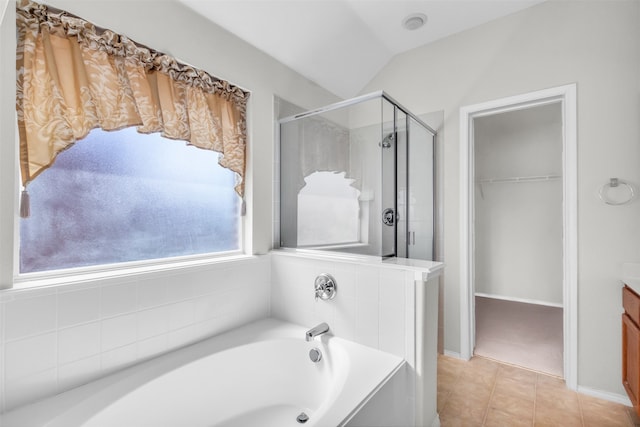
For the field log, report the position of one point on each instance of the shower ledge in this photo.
(423, 270)
(631, 275)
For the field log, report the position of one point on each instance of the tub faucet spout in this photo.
(322, 328)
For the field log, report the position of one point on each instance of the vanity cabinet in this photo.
(631, 345)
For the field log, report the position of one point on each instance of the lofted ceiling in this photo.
(342, 44)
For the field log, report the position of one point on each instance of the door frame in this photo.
(567, 97)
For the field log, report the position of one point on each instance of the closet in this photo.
(518, 237)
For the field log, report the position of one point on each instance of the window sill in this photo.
(149, 269)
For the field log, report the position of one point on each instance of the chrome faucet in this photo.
(322, 328)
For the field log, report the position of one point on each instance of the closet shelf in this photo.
(519, 179)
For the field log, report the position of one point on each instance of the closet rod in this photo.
(520, 179)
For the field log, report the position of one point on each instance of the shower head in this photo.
(386, 141)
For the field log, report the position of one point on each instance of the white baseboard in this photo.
(605, 395)
(524, 300)
(453, 354)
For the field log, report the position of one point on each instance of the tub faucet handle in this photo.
(325, 287)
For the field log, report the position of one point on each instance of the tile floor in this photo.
(483, 392)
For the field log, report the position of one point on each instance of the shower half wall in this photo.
(357, 177)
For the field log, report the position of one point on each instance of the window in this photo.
(121, 196)
(125, 196)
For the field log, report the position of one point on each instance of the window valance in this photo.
(74, 76)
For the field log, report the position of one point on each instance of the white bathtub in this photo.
(259, 374)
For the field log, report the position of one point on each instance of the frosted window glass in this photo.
(124, 196)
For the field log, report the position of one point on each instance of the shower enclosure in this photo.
(358, 177)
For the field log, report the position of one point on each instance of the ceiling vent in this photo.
(414, 21)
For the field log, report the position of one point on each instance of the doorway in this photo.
(489, 183)
(517, 216)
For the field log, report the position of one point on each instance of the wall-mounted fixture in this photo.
(389, 217)
(320, 329)
(325, 287)
(386, 141)
(614, 183)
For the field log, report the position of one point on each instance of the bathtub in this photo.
(260, 374)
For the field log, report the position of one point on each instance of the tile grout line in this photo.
(493, 387)
(446, 401)
(580, 407)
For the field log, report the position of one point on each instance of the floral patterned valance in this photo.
(74, 76)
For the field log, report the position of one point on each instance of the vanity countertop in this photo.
(631, 275)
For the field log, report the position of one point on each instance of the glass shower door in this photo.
(357, 177)
(388, 154)
(420, 195)
(401, 173)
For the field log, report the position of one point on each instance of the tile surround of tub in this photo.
(53, 339)
(139, 317)
(374, 305)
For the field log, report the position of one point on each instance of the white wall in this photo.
(518, 225)
(3, 6)
(595, 44)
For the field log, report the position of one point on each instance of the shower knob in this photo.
(389, 217)
(325, 287)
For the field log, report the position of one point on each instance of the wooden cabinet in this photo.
(631, 345)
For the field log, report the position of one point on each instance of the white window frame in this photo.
(75, 274)
(121, 269)
(10, 183)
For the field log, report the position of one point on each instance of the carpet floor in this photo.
(525, 335)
